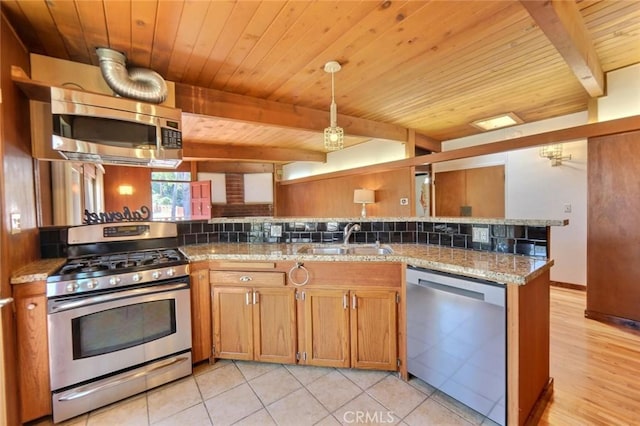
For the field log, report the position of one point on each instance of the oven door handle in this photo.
(83, 391)
(65, 305)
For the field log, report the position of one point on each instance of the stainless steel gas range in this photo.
(119, 317)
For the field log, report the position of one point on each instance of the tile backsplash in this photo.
(515, 239)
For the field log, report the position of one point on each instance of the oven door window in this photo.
(121, 328)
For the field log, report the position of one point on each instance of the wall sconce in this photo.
(364, 197)
(553, 152)
(125, 190)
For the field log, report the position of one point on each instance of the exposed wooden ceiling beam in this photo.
(216, 103)
(233, 167)
(198, 151)
(563, 25)
(430, 144)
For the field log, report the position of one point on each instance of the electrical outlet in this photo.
(276, 230)
(480, 235)
(404, 201)
(15, 223)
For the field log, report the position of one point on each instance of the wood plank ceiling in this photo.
(430, 66)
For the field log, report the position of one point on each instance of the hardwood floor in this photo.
(595, 366)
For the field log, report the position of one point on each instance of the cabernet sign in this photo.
(126, 215)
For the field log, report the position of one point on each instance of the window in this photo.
(170, 195)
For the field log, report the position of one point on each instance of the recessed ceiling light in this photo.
(497, 122)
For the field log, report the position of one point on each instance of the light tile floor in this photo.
(250, 393)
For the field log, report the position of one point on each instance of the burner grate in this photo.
(121, 261)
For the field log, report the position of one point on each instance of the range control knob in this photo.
(72, 287)
(136, 277)
(114, 280)
(92, 284)
(171, 272)
(156, 274)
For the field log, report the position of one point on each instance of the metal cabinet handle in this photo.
(345, 301)
(4, 302)
(246, 297)
(354, 303)
(32, 306)
(245, 278)
(255, 297)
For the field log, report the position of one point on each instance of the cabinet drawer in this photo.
(250, 279)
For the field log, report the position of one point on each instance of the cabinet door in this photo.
(201, 336)
(232, 322)
(274, 315)
(33, 350)
(374, 330)
(326, 321)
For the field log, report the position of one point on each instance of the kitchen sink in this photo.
(370, 250)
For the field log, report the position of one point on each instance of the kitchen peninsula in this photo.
(237, 248)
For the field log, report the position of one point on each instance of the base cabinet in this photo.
(374, 341)
(330, 321)
(326, 334)
(33, 350)
(345, 328)
(253, 323)
(201, 335)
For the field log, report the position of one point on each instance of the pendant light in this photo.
(333, 135)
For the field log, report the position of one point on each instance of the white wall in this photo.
(364, 154)
(623, 94)
(535, 190)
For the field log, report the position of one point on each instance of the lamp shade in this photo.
(364, 196)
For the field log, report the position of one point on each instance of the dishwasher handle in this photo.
(471, 294)
(489, 292)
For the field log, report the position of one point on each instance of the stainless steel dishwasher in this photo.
(456, 338)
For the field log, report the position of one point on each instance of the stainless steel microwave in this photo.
(89, 127)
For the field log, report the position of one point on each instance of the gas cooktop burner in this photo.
(121, 261)
(112, 257)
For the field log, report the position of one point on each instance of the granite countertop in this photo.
(497, 267)
(436, 219)
(38, 270)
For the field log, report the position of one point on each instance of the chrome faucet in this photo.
(348, 230)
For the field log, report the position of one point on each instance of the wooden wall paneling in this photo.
(480, 188)
(16, 196)
(450, 192)
(613, 232)
(44, 196)
(528, 337)
(334, 197)
(138, 177)
(485, 191)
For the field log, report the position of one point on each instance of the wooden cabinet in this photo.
(256, 322)
(335, 320)
(326, 334)
(374, 325)
(201, 335)
(345, 328)
(613, 235)
(33, 350)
